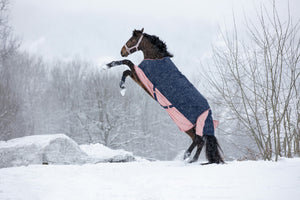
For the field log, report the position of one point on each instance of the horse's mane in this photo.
(161, 46)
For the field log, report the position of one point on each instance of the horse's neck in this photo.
(152, 54)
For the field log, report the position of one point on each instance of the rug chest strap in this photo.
(154, 95)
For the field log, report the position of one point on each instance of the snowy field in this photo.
(146, 180)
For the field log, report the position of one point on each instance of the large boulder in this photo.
(40, 149)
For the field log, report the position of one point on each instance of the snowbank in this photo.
(39, 149)
(100, 153)
(56, 149)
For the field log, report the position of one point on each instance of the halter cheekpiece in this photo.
(128, 49)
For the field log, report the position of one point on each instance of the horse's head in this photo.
(132, 45)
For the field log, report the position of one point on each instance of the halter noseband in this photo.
(135, 46)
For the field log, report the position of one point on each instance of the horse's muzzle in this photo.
(124, 53)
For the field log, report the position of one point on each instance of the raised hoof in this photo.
(111, 64)
(123, 91)
(122, 84)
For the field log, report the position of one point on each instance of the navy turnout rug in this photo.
(178, 90)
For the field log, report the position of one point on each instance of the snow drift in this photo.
(100, 153)
(56, 149)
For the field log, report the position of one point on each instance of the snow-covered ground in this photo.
(144, 180)
(90, 174)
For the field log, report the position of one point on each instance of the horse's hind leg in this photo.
(188, 152)
(192, 134)
(213, 150)
(200, 144)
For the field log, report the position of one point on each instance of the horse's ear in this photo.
(142, 30)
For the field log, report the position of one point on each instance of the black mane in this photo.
(161, 46)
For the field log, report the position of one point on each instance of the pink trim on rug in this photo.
(180, 120)
(201, 122)
(216, 123)
(143, 78)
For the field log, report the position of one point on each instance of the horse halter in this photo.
(128, 49)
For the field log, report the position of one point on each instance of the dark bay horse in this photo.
(156, 50)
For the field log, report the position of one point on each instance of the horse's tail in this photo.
(213, 149)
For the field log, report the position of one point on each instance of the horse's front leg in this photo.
(125, 73)
(121, 62)
(123, 79)
(133, 74)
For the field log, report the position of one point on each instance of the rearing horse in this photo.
(161, 79)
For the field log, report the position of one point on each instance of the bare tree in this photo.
(8, 43)
(8, 99)
(258, 81)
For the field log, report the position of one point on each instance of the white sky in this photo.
(96, 30)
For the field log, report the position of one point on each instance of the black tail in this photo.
(213, 149)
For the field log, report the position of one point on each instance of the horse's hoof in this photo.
(111, 64)
(186, 155)
(121, 84)
(193, 160)
(207, 163)
(123, 91)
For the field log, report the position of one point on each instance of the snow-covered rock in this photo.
(100, 153)
(40, 149)
(56, 149)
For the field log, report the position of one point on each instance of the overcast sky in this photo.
(96, 30)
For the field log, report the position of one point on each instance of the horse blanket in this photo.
(173, 91)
